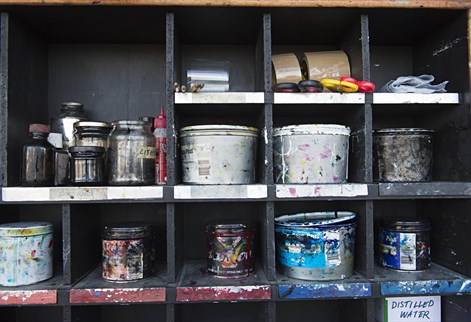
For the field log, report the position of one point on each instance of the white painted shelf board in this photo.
(220, 98)
(412, 98)
(256, 191)
(321, 190)
(319, 98)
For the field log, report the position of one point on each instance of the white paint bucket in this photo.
(311, 153)
(25, 253)
(218, 154)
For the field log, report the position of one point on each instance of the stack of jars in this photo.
(83, 152)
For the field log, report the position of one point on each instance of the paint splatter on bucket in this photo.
(230, 250)
(128, 252)
(311, 153)
(316, 246)
(403, 155)
(218, 154)
(25, 253)
(405, 245)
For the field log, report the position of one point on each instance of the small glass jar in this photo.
(71, 112)
(89, 133)
(131, 154)
(87, 165)
(38, 153)
(128, 252)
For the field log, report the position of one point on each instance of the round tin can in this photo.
(128, 252)
(316, 246)
(25, 253)
(87, 165)
(403, 155)
(230, 250)
(311, 153)
(405, 245)
(218, 154)
(131, 154)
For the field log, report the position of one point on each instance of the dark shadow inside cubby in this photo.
(324, 311)
(31, 313)
(120, 313)
(248, 311)
(88, 221)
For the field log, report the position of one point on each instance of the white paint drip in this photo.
(447, 46)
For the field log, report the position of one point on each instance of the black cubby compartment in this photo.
(230, 312)
(363, 251)
(323, 311)
(228, 39)
(87, 222)
(114, 64)
(448, 228)
(38, 313)
(119, 313)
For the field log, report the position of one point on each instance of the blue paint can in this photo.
(405, 245)
(316, 246)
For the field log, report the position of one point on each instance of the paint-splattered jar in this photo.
(128, 252)
(316, 246)
(230, 249)
(405, 245)
(25, 253)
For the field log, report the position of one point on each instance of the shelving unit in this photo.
(122, 62)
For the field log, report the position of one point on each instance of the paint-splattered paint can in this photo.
(405, 245)
(316, 246)
(230, 250)
(25, 253)
(311, 153)
(128, 252)
(403, 155)
(218, 154)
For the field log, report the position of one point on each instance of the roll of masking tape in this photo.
(325, 64)
(285, 69)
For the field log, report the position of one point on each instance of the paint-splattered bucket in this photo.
(230, 250)
(405, 245)
(25, 253)
(403, 155)
(316, 246)
(311, 153)
(218, 154)
(128, 252)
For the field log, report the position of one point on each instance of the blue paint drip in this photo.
(424, 287)
(323, 290)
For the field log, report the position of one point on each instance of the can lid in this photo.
(310, 129)
(128, 230)
(408, 225)
(25, 228)
(91, 124)
(218, 129)
(72, 105)
(130, 122)
(315, 219)
(226, 228)
(38, 128)
(403, 131)
(83, 149)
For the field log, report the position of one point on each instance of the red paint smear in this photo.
(28, 297)
(317, 191)
(118, 295)
(293, 192)
(188, 294)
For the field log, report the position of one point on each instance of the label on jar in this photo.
(123, 260)
(405, 251)
(145, 152)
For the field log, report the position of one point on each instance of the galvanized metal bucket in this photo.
(316, 246)
(403, 155)
(218, 154)
(311, 153)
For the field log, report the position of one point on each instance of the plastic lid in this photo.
(310, 129)
(403, 131)
(38, 128)
(25, 228)
(72, 105)
(160, 122)
(408, 225)
(315, 219)
(91, 124)
(218, 130)
(226, 228)
(128, 230)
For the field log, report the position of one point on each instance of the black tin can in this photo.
(405, 245)
(128, 252)
(87, 165)
(230, 250)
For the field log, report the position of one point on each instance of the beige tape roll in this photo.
(285, 69)
(325, 64)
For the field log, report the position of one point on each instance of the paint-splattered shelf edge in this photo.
(413, 98)
(425, 189)
(220, 98)
(28, 297)
(321, 190)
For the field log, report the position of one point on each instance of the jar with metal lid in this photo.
(91, 133)
(405, 244)
(131, 154)
(230, 250)
(71, 112)
(128, 252)
(87, 165)
(26, 253)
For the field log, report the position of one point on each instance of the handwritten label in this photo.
(413, 309)
(145, 152)
(88, 193)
